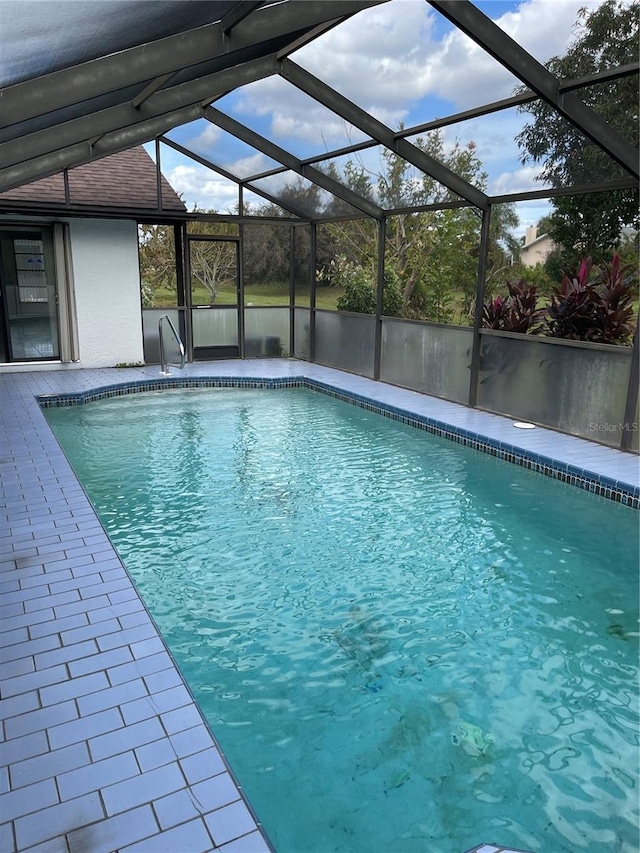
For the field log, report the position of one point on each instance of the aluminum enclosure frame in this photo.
(78, 114)
(254, 40)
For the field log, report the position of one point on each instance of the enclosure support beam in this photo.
(254, 36)
(158, 176)
(179, 238)
(179, 244)
(238, 13)
(312, 293)
(91, 129)
(86, 137)
(67, 189)
(632, 393)
(83, 152)
(292, 209)
(521, 98)
(240, 270)
(244, 134)
(382, 239)
(487, 109)
(359, 118)
(186, 267)
(292, 290)
(151, 89)
(577, 189)
(477, 317)
(471, 21)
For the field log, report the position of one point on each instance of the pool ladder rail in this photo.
(163, 322)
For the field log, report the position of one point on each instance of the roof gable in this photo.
(123, 180)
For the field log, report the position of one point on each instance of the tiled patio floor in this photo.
(102, 747)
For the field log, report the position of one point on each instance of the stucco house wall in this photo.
(537, 251)
(106, 282)
(100, 250)
(107, 289)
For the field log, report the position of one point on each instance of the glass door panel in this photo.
(214, 327)
(29, 302)
(215, 297)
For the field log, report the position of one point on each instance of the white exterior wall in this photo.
(536, 252)
(107, 286)
(104, 254)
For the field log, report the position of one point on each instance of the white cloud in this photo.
(376, 58)
(205, 141)
(294, 117)
(223, 149)
(324, 131)
(252, 164)
(390, 57)
(400, 61)
(463, 73)
(199, 186)
(517, 181)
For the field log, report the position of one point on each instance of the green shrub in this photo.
(391, 295)
(358, 295)
(360, 292)
(147, 294)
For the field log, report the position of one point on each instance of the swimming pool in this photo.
(405, 643)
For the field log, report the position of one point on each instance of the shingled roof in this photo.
(124, 180)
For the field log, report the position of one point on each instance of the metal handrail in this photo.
(164, 364)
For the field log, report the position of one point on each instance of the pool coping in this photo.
(100, 736)
(584, 478)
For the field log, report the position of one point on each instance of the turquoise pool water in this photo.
(402, 645)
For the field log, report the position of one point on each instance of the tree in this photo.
(157, 265)
(431, 255)
(503, 250)
(266, 250)
(349, 243)
(446, 266)
(213, 263)
(213, 266)
(590, 224)
(431, 252)
(435, 253)
(360, 289)
(543, 226)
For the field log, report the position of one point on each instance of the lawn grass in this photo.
(326, 297)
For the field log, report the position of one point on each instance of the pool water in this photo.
(401, 644)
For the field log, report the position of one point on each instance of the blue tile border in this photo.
(599, 484)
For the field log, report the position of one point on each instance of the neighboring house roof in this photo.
(535, 242)
(124, 180)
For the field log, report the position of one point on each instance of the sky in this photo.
(402, 62)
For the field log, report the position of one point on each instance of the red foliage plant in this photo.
(594, 308)
(516, 312)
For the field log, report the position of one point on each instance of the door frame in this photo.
(214, 352)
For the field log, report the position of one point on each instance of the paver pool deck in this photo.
(102, 747)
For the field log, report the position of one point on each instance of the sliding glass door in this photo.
(29, 305)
